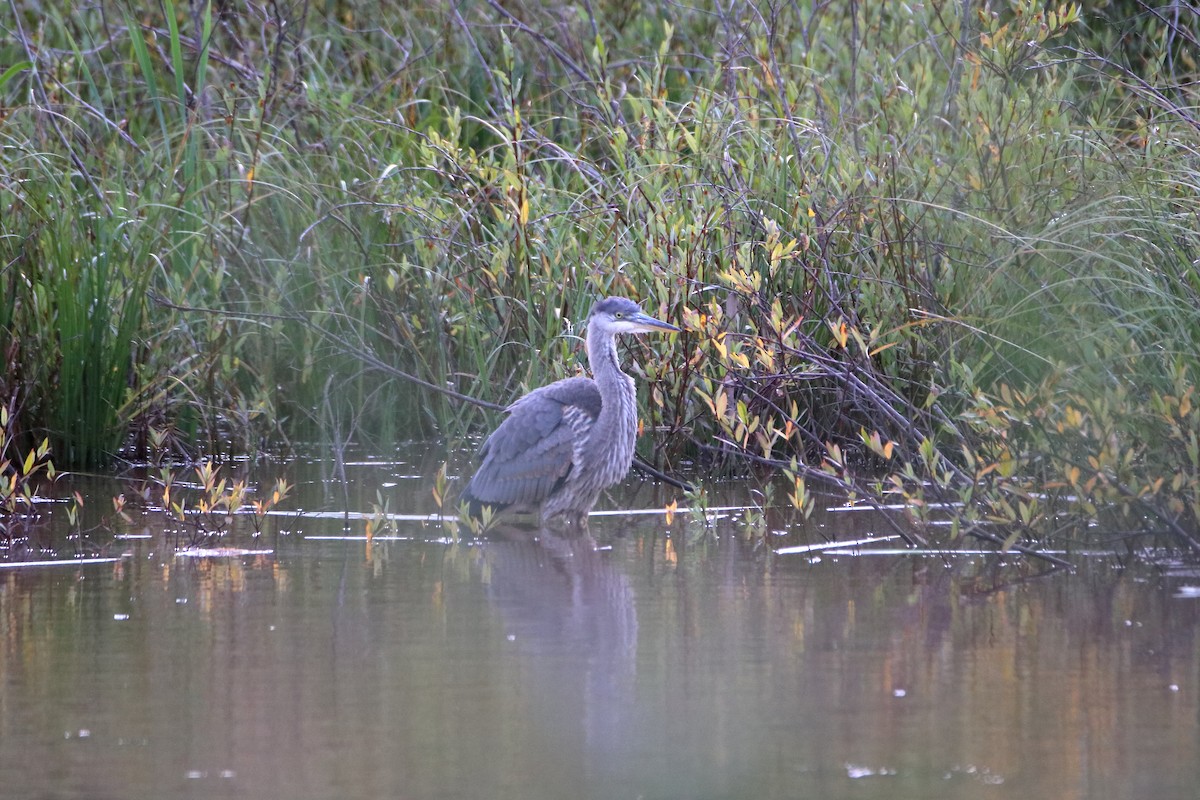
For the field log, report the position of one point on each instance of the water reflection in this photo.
(572, 617)
(651, 661)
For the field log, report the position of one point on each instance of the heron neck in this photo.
(615, 430)
(606, 369)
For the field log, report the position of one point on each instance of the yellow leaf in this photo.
(721, 403)
(1074, 417)
(841, 333)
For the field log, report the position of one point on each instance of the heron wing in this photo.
(532, 452)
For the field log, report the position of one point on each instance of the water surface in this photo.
(659, 661)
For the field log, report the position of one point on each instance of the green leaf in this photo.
(12, 71)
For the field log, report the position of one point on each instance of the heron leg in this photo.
(568, 523)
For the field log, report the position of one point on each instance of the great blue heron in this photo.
(563, 444)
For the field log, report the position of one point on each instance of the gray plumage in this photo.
(563, 444)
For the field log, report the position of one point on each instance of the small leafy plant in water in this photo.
(698, 503)
(217, 502)
(18, 477)
(381, 520)
(477, 525)
(441, 483)
(800, 498)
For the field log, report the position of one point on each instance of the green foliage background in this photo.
(947, 250)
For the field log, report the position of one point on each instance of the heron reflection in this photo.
(570, 615)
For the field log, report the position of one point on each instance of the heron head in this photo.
(616, 315)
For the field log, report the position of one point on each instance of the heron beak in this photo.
(648, 324)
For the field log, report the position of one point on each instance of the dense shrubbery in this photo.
(944, 250)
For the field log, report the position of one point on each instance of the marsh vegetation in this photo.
(938, 254)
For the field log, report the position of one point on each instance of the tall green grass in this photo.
(76, 295)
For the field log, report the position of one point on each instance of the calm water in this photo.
(669, 662)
